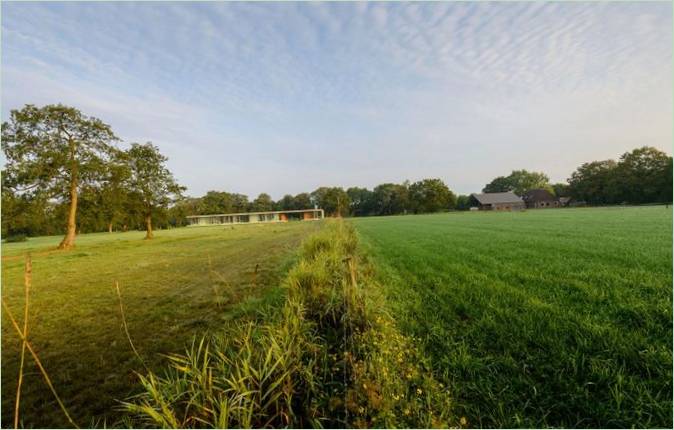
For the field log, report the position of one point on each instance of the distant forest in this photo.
(64, 174)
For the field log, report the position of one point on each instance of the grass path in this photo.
(542, 318)
(169, 296)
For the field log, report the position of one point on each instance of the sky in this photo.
(285, 97)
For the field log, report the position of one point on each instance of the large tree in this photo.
(303, 201)
(463, 202)
(519, 182)
(114, 191)
(642, 176)
(263, 203)
(595, 182)
(361, 200)
(430, 195)
(151, 182)
(391, 199)
(333, 200)
(286, 203)
(561, 189)
(54, 151)
(218, 202)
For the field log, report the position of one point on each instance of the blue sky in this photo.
(283, 98)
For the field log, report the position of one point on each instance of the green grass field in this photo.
(540, 318)
(170, 296)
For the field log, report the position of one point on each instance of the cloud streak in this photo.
(283, 97)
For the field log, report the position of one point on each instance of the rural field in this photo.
(542, 318)
(170, 293)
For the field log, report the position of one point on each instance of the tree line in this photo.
(65, 174)
(427, 195)
(643, 175)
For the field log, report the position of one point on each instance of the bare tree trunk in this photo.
(68, 241)
(110, 227)
(148, 227)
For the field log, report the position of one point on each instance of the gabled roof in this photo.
(538, 195)
(494, 198)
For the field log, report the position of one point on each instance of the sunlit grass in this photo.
(541, 318)
(170, 294)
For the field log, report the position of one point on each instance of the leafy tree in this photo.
(152, 184)
(642, 174)
(178, 212)
(500, 184)
(595, 182)
(113, 191)
(333, 200)
(361, 200)
(239, 202)
(391, 199)
(53, 151)
(519, 182)
(665, 183)
(430, 195)
(262, 203)
(463, 203)
(286, 203)
(215, 202)
(303, 201)
(561, 190)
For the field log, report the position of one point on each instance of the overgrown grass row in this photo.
(331, 357)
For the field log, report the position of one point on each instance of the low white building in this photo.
(256, 217)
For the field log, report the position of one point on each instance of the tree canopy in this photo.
(54, 151)
(519, 182)
(152, 183)
(431, 195)
(643, 175)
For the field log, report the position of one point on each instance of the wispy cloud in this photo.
(283, 97)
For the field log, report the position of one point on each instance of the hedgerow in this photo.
(334, 358)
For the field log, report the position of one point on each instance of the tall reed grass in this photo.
(332, 358)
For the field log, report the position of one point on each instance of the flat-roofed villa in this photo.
(256, 217)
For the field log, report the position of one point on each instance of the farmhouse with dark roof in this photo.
(497, 201)
(540, 198)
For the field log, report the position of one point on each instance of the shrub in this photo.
(18, 237)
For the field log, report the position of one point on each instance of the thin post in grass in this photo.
(27, 277)
(38, 362)
(126, 329)
(254, 285)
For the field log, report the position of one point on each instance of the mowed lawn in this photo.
(559, 317)
(169, 295)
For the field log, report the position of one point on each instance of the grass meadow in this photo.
(171, 294)
(541, 318)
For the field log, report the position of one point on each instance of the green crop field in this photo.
(540, 318)
(170, 293)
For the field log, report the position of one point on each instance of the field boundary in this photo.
(332, 357)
